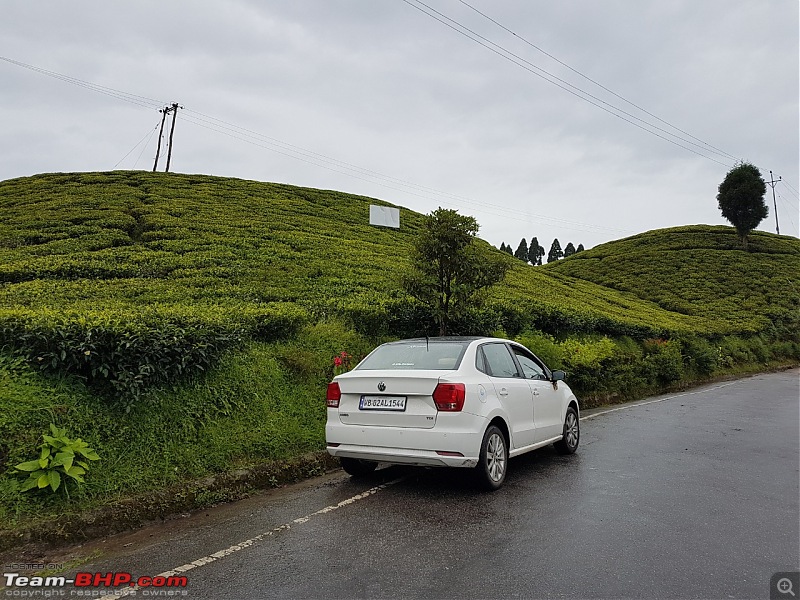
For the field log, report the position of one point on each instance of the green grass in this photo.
(211, 308)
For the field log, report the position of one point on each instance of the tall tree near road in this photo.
(522, 251)
(555, 251)
(449, 268)
(741, 199)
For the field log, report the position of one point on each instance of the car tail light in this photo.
(450, 396)
(334, 395)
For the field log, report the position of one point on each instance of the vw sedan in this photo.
(470, 402)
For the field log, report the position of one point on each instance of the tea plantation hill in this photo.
(185, 325)
(124, 242)
(701, 271)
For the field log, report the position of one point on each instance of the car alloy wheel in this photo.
(568, 444)
(491, 469)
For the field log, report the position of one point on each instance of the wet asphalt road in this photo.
(695, 496)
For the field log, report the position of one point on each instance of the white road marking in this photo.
(628, 406)
(253, 540)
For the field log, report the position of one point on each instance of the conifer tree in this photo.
(555, 251)
(522, 251)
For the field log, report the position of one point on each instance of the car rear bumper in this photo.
(454, 442)
(401, 456)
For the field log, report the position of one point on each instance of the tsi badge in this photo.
(784, 585)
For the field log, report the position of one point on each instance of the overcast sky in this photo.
(401, 107)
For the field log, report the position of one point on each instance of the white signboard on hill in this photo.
(384, 216)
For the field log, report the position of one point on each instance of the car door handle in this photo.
(535, 392)
(503, 392)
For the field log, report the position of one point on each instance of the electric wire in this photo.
(392, 183)
(291, 149)
(308, 156)
(317, 159)
(790, 206)
(118, 94)
(791, 188)
(147, 135)
(566, 86)
(138, 158)
(598, 84)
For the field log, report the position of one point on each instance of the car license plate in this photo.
(382, 403)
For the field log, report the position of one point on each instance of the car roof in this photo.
(450, 338)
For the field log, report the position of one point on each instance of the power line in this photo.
(147, 135)
(138, 158)
(324, 161)
(560, 83)
(120, 95)
(392, 183)
(320, 160)
(791, 207)
(598, 84)
(787, 184)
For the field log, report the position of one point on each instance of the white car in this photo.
(451, 401)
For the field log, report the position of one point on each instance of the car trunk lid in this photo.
(389, 398)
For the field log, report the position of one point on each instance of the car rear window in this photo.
(445, 356)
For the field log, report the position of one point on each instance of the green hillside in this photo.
(700, 271)
(185, 325)
(123, 241)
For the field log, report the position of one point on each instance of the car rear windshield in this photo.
(416, 356)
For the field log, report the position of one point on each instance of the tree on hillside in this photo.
(508, 250)
(555, 251)
(569, 250)
(580, 248)
(535, 252)
(522, 251)
(502, 246)
(741, 199)
(449, 268)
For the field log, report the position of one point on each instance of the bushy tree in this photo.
(569, 250)
(555, 251)
(448, 268)
(502, 246)
(508, 250)
(522, 251)
(580, 248)
(741, 199)
(535, 252)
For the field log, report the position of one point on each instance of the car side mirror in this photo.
(558, 376)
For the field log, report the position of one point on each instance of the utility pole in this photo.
(772, 183)
(163, 112)
(174, 110)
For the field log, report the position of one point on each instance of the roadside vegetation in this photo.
(184, 325)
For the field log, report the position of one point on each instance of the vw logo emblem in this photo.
(381, 386)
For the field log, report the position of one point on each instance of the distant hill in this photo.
(701, 271)
(127, 240)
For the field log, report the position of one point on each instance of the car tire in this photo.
(572, 433)
(356, 467)
(493, 462)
